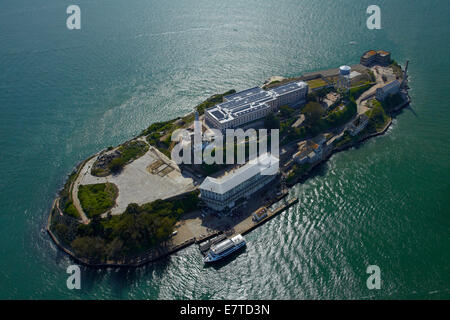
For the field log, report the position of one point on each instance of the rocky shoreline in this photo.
(349, 145)
(159, 252)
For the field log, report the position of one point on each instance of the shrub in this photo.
(61, 231)
(71, 210)
(356, 92)
(90, 248)
(377, 117)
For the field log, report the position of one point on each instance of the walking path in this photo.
(75, 200)
(379, 73)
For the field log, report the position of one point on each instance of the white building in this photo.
(309, 152)
(292, 93)
(253, 104)
(390, 88)
(222, 193)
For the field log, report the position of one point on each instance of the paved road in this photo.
(387, 72)
(367, 94)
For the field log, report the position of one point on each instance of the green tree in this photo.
(115, 249)
(116, 165)
(61, 231)
(271, 121)
(90, 248)
(313, 112)
(286, 111)
(132, 208)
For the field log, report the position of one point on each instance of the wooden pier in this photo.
(270, 214)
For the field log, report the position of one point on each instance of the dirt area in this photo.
(152, 176)
(193, 225)
(331, 98)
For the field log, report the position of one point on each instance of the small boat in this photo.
(224, 248)
(259, 214)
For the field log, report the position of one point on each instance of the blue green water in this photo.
(64, 95)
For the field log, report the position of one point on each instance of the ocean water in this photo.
(65, 94)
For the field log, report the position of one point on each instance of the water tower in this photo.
(343, 81)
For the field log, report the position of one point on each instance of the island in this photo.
(132, 204)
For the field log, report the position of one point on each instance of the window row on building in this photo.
(372, 57)
(252, 104)
(222, 193)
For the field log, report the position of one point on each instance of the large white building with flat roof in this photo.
(253, 104)
(222, 193)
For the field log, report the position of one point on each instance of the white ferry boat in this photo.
(224, 248)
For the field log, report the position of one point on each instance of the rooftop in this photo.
(243, 94)
(288, 87)
(250, 100)
(383, 53)
(265, 164)
(241, 101)
(390, 85)
(369, 53)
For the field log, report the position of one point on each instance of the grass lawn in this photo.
(97, 198)
(316, 83)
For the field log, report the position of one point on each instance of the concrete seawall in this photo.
(157, 253)
(160, 252)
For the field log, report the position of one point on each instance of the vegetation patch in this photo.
(118, 237)
(316, 83)
(212, 101)
(287, 112)
(391, 102)
(71, 211)
(313, 111)
(159, 134)
(377, 118)
(274, 82)
(356, 92)
(271, 121)
(98, 198)
(277, 83)
(297, 171)
(377, 122)
(65, 201)
(115, 161)
(397, 69)
(316, 121)
(345, 139)
(339, 116)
